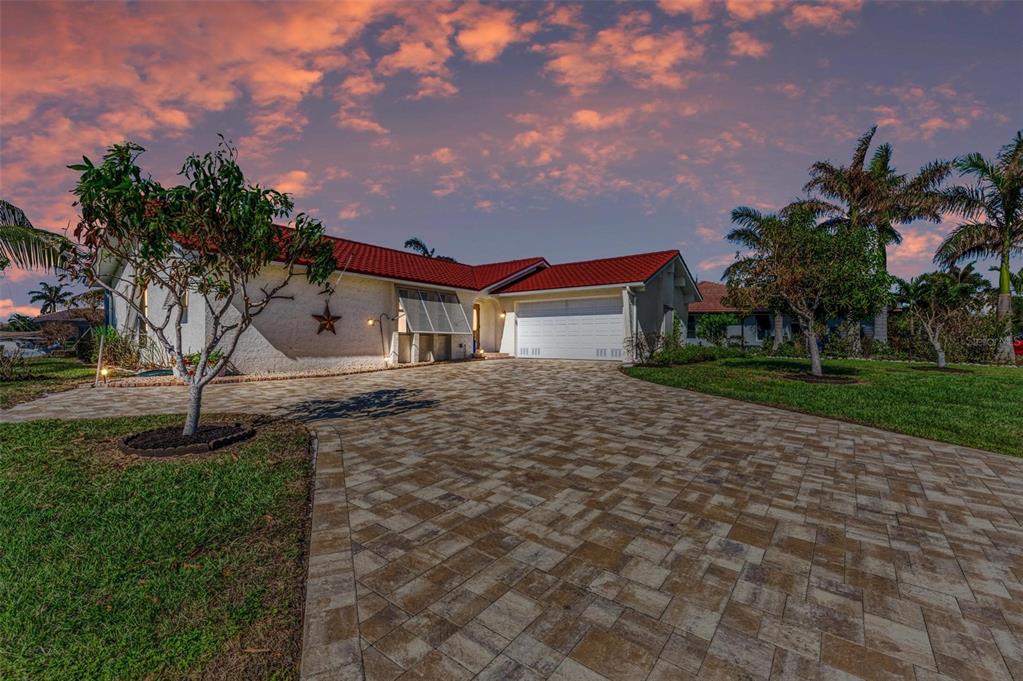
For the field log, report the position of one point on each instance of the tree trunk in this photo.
(194, 405)
(779, 329)
(815, 353)
(939, 353)
(1004, 310)
(881, 325)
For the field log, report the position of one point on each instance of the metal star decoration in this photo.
(326, 320)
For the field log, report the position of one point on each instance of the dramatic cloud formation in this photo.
(503, 129)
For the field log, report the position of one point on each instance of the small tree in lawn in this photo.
(937, 299)
(817, 273)
(207, 238)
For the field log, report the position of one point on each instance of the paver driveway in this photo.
(528, 519)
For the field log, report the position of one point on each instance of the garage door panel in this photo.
(590, 328)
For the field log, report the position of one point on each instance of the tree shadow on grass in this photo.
(371, 405)
(787, 365)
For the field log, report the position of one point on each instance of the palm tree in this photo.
(993, 212)
(750, 236)
(25, 246)
(51, 296)
(874, 197)
(419, 246)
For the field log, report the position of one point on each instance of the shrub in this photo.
(692, 354)
(789, 348)
(12, 364)
(713, 328)
(127, 350)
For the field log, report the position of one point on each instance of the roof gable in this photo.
(626, 269)
(713, 298)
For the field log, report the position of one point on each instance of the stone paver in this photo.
(533, 520)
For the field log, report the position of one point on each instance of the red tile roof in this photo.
(360, 258)
(378, 261)
(604, 272)
(713, 295)
(493, 273)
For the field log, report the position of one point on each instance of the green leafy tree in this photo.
(873, 196)
(417, 245)
(52, 297)
(213, 238)
(817, 272)
(713, 328)
(937, 299)
(21, 322)
(23, 245)
(992, 210)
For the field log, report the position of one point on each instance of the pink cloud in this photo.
(8, 307)
(742, 44)
(588, 119)
(698, 10)
(297, 182)
(831, 15)
(351, 211)
(716, 262)
(748, 10)
(916, 251)
(631, 50)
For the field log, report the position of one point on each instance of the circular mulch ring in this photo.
(170, 442)
(941, 370)
(827, 380)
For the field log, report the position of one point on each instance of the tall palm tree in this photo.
(51, 296)
(873, 196)
(993, 212)
(419, 246)
(23, 245)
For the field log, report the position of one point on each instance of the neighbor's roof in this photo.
(73, 314)
(713, 298)
(626, 269)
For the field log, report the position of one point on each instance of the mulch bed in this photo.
(828, 380)
(170, 442)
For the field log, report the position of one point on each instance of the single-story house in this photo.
(80, 319)
(392, 307)
(752, 330)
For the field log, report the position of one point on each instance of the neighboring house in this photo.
(752, 330)
(396, 307)
(81, 319)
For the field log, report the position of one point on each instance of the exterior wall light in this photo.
(371, 322)
(501, 315)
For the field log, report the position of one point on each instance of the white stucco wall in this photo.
(283, 338)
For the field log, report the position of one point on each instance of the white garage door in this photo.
(588, 328)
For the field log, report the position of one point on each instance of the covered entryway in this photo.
(576, 328)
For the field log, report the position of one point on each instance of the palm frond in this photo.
(975, 164)
(862, 145)
(968, 241)
(30, 248)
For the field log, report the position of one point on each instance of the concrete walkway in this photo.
(536, 519)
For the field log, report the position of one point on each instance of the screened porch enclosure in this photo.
(432, 325)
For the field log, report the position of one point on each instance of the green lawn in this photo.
(982, 407)
(116, 568)
(55, 374)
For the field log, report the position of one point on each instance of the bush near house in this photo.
(112, 567)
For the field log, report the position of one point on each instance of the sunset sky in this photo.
(499, 131)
